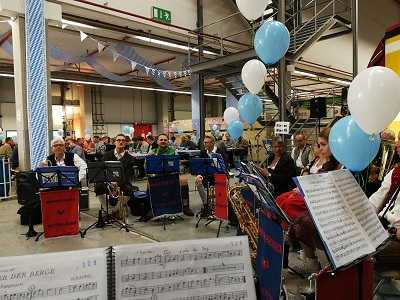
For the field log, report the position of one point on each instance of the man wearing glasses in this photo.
(301, 154)
(61, 158)
(127, 160)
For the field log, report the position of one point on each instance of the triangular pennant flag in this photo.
(100, 46)
(83, 35)
(153, 72)
(184, 73)
(164, 73)
(180, 73)
(169, 74)
(175, 74)
(147, 70)
(63, 25)
(115, 56)
(188, 72)
(159, 73)
(133, 65)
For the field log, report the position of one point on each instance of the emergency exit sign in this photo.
(160, 14)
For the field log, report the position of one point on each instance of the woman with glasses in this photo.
(279, 168)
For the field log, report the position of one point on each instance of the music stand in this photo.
(53, 178)
(106, 172)
(163, 165)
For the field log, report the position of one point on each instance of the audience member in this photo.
(203, 182)
(75, 148)
(301, 153)
(142, 146)
(164, 149)
(189, 143)
(220, 143)
(279, 168)
(193, 137)
(228, 141)
(244, 144)
(7, 148)
(127, 161)
(152, 141)
(61, 158)
(89, 146)
(100, 148)
(14, 159)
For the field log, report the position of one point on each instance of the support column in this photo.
(282, 71)
(19, 54)
(38, 82)
(201, 100)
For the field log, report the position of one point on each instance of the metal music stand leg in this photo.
(286, 260)
(219, 227)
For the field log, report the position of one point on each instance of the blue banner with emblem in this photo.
(269, 260)
(165, 195)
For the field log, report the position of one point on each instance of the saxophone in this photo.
(247, 221)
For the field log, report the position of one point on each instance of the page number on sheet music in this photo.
(236, 243)
(89, 263)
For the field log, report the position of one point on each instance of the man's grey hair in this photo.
(57, 139)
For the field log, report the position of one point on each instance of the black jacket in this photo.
(282, 174)
(127, 163)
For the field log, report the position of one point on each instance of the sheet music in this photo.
(191, 270)
(340, 231)
(63, 275)
(360, 206)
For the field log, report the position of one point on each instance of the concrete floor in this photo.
(14, 241)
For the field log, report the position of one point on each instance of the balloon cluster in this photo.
(374, 102)
(128, 130)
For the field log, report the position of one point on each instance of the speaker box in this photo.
(83, 199)
(318, 107)
(27, 187)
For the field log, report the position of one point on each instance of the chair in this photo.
(386, 271)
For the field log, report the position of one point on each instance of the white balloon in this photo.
(254, 73)
(215, 127)
(87, 136)
(1, 130)
(131, 130)
(173, 125)
(252, 9)
(231, 114)
(374, 98)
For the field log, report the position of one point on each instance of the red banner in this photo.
(60, 212)
(221, 194)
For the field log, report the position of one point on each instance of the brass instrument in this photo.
(387, 158)
(116, 197)
(121, 208)
(247, 221)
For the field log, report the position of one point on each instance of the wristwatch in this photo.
(393, 232)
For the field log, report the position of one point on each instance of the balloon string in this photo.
(361, 180)
(371, 138)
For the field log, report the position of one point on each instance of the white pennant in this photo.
(63, 25)
(83, 36)
(100, 47)
(115, 56)
(133, 65)
(147, 70)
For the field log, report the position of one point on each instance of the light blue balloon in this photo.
(1, 137)
(351, 146)
(235, 129)
(125, 129)
(271, 42)
(250, 108)
(87, 131)
(217, 132)
(175, 129)
(180, 131)
(15, 138)
(60, 132)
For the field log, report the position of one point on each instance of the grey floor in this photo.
(14, 241)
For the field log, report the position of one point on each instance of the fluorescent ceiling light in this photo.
(150, 40)
(340, 81)
(120, 86)
(76, 24)
(130, 87)
(304, 73)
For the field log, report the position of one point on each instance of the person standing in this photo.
(7, 148)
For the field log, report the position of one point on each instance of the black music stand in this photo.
(106, 172)
(163, 165)
(54, 178)
(207, 167)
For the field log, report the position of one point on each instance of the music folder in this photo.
(56, 176)
(161, 164)
(108, 171)
(203, 166)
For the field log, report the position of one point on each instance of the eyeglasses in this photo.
(58, 145)
(120, 141)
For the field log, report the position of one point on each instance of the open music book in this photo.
(195, 269)
(343, 216)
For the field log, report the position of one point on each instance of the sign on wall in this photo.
(160, 14)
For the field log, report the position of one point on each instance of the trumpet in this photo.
(247, 221)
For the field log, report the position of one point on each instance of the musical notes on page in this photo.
(63, 275)
(333, 199)
(198, 269)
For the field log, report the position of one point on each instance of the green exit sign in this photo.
(160, 14)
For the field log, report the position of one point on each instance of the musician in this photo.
(164, 149)
(301, 153)
(202, 181)
(127, 160)
(279, 167)
(389, 212)
(61, 158)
